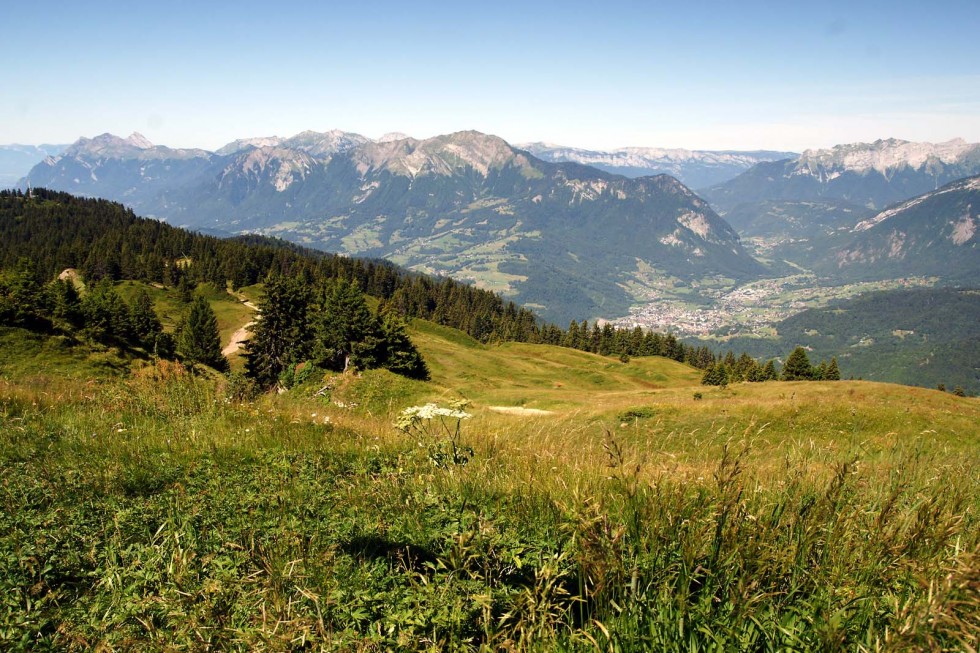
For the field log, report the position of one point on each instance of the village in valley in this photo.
(716, 308)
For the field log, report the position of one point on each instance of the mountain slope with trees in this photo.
(918, 336)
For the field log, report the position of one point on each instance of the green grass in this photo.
(152, 512)
(538, 376)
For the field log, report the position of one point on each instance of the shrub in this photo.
(636, 413)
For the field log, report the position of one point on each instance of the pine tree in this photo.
(281, 335)
(65, 302)
(106, 315)
(832, 373)
(572, 335)
(769, 372)
(199, 341)
(145, 323)
(797, 367)
(715, 374)
(819, 371)
(401, 356)
(346, 333)
(708, 377)
(22, 297)
(745, 368)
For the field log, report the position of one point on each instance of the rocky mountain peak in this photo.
(885, 155)
(441, 155)
(240, 144)
(278, 165)
(137, 139)
(393, 136)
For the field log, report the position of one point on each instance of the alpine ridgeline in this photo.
(932, 235)
(869, 175)
(568, 240)
(695, 168)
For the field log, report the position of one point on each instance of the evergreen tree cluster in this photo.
(330, 326)
(799, 368)
(100, 315)
(102, 239)
(745, 368)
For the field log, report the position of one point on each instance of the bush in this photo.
(636, 413)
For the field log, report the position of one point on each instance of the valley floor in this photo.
(728, 310)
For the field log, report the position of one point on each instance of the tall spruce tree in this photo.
(145, 323)
(832, 373)
(797, 367)
(768, 372)
(199, 341)
(281, 335)
(345, 332)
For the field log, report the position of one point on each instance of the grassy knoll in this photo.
(538, 376)
(155, 510)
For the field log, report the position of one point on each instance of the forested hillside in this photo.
(917, 336)
(44, 234)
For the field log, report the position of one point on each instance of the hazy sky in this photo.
(725, 75)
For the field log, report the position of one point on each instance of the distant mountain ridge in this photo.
(319, 144)
(563, 238)
(695, 168)
(935, 234)
(873, 175)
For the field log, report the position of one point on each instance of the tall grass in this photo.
(158, 512)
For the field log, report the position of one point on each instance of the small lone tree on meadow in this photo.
(832, 373)
(797, 367)
(199, 341)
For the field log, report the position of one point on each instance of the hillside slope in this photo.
(540, 376)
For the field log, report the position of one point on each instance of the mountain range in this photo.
(566, 239)
(695, 168)
(872, 175)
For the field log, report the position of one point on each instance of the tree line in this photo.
(745, 368)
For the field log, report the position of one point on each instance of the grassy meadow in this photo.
(601, 507)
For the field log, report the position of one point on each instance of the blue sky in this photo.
(727, 75)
